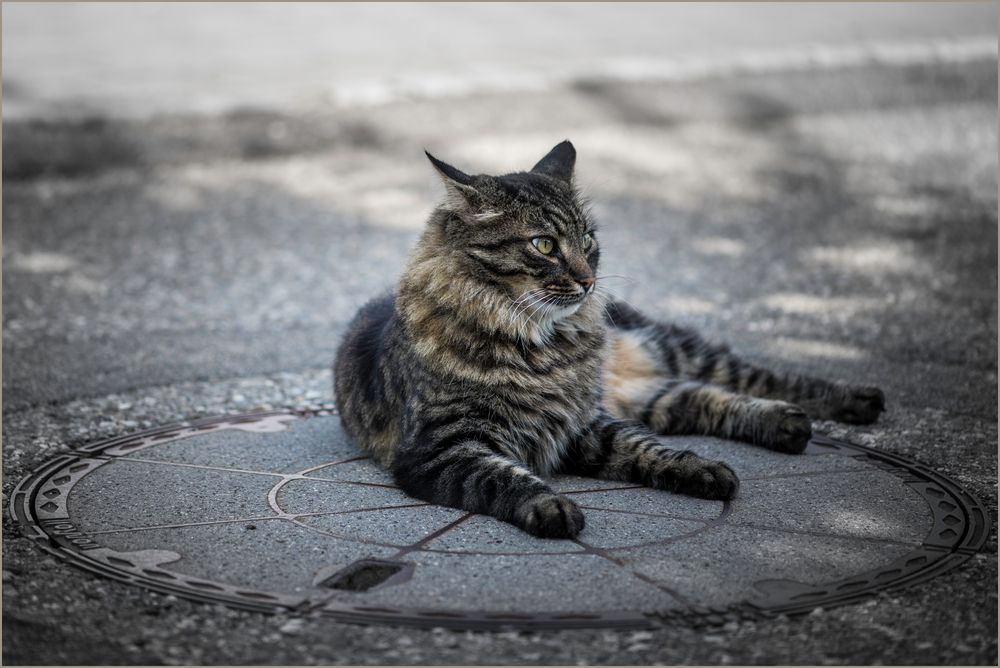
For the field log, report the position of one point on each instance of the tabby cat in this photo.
(497, 363)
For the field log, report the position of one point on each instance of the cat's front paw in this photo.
(550, 516)
(784, 427)
(687, 473)
(858, 405)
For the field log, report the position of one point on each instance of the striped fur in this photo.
(494, 365)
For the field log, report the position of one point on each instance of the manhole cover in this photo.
(279, 511)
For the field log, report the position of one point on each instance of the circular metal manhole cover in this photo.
(279, 511)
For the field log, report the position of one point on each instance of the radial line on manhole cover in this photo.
(644, 554)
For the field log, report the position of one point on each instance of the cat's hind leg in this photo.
(681, 353)
(821, 399)
(639, 385)
(691, 407)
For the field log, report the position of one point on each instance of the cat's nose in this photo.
(587, 282)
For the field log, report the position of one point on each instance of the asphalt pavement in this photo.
(838, 220)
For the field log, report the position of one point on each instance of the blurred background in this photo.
(197, 191)
(127, 60)
(197, 197)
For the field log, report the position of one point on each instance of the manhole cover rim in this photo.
(58, 536)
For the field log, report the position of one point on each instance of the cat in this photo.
(498, 361)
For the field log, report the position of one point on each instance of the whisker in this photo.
(543, 302)
(607, 313)
(613, 295)
(528, 313)
(521, 303)
(624, 278)
(547, 308)
(524, 312)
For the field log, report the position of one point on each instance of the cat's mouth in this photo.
(560, 311)
(547, 305)
(563, 298)
(564, 303)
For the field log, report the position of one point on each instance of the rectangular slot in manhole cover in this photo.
(367, 574)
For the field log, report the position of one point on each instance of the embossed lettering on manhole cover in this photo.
(280, 511)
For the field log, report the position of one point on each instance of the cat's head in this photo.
(522, 244)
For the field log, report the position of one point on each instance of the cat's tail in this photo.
(622, 316)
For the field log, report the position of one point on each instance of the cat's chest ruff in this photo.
(540, 426)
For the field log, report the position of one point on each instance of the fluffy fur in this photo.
(495, 364)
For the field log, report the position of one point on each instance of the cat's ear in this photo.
(558, 163)
(461, 193)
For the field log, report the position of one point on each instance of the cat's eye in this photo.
(545, 245)
(588, 241)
